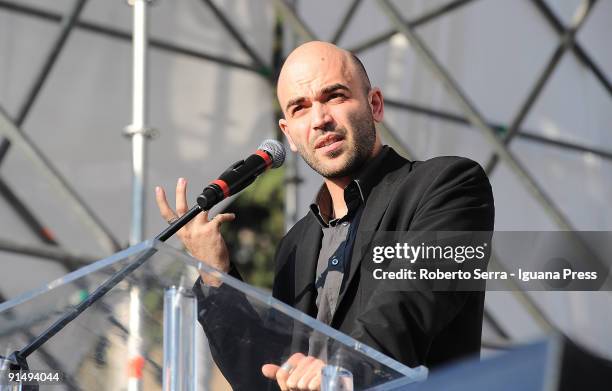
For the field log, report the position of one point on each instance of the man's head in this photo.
(329, 109)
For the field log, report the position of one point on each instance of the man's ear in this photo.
(377, 104)
(282, 124)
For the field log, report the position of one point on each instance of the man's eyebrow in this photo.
(294, 101)
(334, 87)
(325, 91)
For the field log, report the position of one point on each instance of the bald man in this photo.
(330, 110)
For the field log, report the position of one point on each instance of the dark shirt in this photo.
(339, 236)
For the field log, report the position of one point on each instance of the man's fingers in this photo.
(219, 219)
(295, 359)
(281, 373)
(315, 383)
(294, 380)
(223, 218)
(181, 196)
(269, 371)
(162, 203)
(313, 370)
(201, 218)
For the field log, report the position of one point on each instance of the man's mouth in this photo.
(327, 140)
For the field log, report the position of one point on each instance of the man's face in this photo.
(328, 116)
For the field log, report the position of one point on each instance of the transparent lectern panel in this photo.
(144, 329)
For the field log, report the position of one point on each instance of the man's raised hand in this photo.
(201, 237)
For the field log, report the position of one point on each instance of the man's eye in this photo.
(296, 109)
(336, 96)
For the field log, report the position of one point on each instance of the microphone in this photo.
(270, 154)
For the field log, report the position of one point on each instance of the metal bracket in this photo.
(131, 2)
(131, 130)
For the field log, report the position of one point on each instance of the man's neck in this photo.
(336, 186)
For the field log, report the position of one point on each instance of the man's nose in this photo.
(321, 117)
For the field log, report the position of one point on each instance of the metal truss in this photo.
(13, 127)
(42, 233)
(501, 145)
(125, 35)
(498, 135)
(567, 40)
(499, 128)
(581, 55)
(68, 23)
(346, 19)
(43, 353)
(414, 23)
(475, 117)
(73, 200)
(266, 71)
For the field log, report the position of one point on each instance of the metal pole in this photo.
(576, 47)
(345, 21)
(566, 144)
(180, 352)
(414, 23)
(522, 133)
(476, 118)
(49, 253)
(27, 216)
(138, 130)
(126, 36)
(46, 357)
(534, 310)
(21, 140)
(67, 24)
(567, 40)
(391, 138)
(299, 27)
(65, 30)
(139, 133)
(292, 174)
(136, 359)
(259, 63)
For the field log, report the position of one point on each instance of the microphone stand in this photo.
(17, 360)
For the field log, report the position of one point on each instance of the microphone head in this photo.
(276, 150)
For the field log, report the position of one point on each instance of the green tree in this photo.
(259, 225)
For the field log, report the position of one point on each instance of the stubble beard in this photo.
(364, 138)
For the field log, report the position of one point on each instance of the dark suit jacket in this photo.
(416, 328)
(419, 327)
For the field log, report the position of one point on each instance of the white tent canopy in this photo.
(212, 104)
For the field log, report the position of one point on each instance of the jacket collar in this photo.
(386, 181)
(306, 255)
(356, 192)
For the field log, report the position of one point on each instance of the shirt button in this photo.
(345, 223)
(334, 261)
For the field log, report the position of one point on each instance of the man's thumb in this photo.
(269, 370)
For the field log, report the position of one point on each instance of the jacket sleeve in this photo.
(424, 326)
(242, 334)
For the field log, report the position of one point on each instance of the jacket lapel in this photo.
(376, 206)
(306, 257)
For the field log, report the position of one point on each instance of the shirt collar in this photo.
(356, 192)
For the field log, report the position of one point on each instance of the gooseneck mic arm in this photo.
(270, 153)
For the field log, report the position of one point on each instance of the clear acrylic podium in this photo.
(146, 327)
